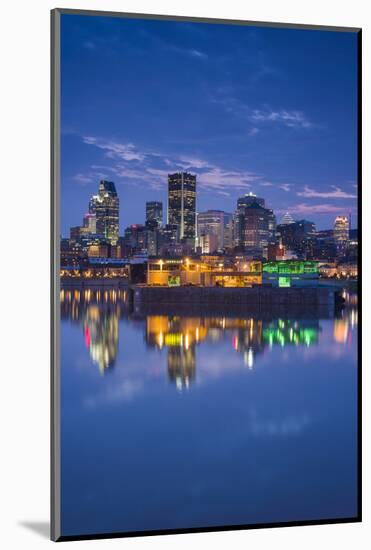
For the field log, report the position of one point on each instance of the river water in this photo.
(203, 420)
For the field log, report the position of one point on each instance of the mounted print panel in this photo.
(205, 192)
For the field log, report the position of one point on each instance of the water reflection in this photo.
(245, 404)
(99, 312)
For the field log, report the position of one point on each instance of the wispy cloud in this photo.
(336, 193)
(132, 164)
(286, 117)
(304, 208)
(198, 53)
(83, 179)
(285, 187)
(125, 151)
(291, 119)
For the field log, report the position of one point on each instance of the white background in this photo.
(24, 289)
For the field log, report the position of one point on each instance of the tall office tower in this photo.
(214, 222)
(154, 212)
(105, 206)
(248, 200)
(253, 226)
(182, 204)
(287, 219)
(341, 230)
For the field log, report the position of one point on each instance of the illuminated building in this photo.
(217, 223)
(182, 204)
(248, 200)
(95, 267)
(348, 270)
(327, 269)
(253, 226)
(341, 231)
(208, 243)
(98, 251)
(105, 207)
(191, 271)
(291, 273)
(299, 236)
(154, 212)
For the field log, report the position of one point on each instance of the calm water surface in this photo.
(173, 422)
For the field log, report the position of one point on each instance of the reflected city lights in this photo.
(99, 320)
(98, 312)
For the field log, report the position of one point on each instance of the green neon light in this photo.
(291, 267)
(284, 282)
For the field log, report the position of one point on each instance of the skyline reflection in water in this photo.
(175, 421)
(99, 312)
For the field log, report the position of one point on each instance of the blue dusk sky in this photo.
(248, 109)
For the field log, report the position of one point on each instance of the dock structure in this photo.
(258, 297)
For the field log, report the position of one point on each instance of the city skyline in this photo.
(241, 114)
(247, 199)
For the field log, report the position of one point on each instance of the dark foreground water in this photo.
(172, 422)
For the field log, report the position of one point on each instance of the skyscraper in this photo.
(253, 226)
(154, 212)
(214, 222)
(341, 230)
(248, 200)
(298, 236)
(182, 204)
(105, 206)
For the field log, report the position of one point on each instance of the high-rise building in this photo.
(154, 212)
(253, 226)
(287, 219)
(105, 207)
(214, 222)
(248, 200)
(298, 236)
(182, 204)
(341, 231)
